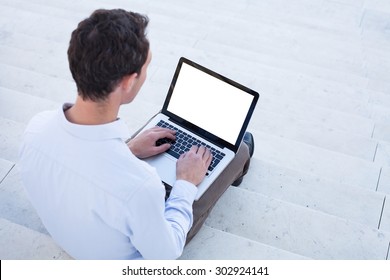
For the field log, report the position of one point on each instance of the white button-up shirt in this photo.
(96, 199)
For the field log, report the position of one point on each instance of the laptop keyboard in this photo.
(184, 142)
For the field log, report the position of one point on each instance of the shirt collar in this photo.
(115, 129)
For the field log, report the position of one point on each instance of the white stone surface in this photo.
(319, 183)
(296, 229)
(382, 132)
(349, 202)
(15, 205)
(384, 181)
(323, 163)
(20, 243)
(5, 168)
(315, 134)
(10, 137)
(382, 155)
(385, 221)
(221, 245)
(27, 105)
(36, 84)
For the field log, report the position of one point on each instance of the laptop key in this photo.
(183, 144)
(173, 153)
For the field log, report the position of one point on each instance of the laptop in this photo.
(205, 108)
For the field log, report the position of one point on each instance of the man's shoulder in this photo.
(41, 120)
(40, 127)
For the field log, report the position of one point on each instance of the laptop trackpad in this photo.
(165, 166)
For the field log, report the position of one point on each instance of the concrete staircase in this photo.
(319, 182)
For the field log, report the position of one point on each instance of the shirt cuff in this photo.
(184, 188)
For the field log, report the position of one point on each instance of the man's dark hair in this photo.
(104, 48)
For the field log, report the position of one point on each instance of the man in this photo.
(95, 196)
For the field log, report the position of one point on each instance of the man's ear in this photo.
(128, 81)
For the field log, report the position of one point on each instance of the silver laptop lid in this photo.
(209, 104)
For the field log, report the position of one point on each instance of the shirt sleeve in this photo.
(159, 229)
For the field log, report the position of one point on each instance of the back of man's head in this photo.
(104, 48)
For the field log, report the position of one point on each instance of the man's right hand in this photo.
(144, 144)
(192, 166)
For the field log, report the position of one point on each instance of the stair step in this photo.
(68, 8)
(56, 66)
(5, 167)
(379, 100)
(317, 55)
(380, 113)
(317, 133)
(335, 95)
(211, 243)
(15, 205)
(348, 202)
(28, 105)
(296, 229)
(10, 138)
(385, 221)
(40, 46)
(332, 15)
(375, 24)
(378, 5)
(43, 8)
(379, 85)
(26, 244)
(378, 64)
(384, 180)
(336, 167)
(382, 155)
(34, 24)
(313, 111)
(234, 65)
(36, 84)
(272, 39)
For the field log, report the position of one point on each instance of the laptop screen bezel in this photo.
(197, 130)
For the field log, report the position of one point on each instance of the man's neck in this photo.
(87, 112)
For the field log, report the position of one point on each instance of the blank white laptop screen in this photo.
(209, 103)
